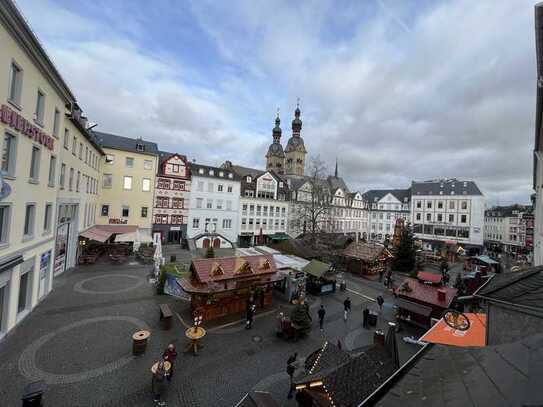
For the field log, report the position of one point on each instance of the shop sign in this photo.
(174, 228)
(117, 221)
(23, 126)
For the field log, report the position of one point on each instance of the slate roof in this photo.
(507, 211)
(108, 140)
(316, 268)
(426, 294)
(195, 171)
(520, 288)
(501, 375)
(255, 173)
(450, 186)
(350, 378)
(337, 182)
(164, 155)
(400, 194)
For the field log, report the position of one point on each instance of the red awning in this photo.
(430, 277)
(97, 234)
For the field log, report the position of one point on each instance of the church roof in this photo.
(337, 182)
(295, 143)
(275, 149)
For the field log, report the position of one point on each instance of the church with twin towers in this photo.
(289, 161)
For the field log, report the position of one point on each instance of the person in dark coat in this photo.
(251, 308)
(169, 355)
(381, 272)
(365, 318)
(157, 383)
(380, 302)
(291, 368)
(346, 307)
(322, 313)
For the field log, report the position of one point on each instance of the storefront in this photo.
(319, 278)
(66, 240)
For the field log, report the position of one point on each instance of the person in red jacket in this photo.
(169, 355)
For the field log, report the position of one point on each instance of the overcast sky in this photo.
(395, 89)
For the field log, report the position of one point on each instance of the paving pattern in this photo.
(79, 341)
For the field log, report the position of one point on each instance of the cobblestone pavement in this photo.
(79, 341)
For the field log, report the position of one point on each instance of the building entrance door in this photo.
(206, 243)
(45, 262)
(216, 243)
(174, 236)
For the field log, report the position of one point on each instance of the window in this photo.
(211, 172)
(199, 202)
(248, 179)
(451, 204)
(125, 211)
(200, 171)
(52, 170)
(143, 211)
(418, 216)
(161, 219)
(66, 139)
(74, 146)
(35, 164)
(4, 224)
(81, 151)
(439, 217)
(8, 155)
(15, 84)
(451, 218)
(105, 210)
(200, 186)
(230, 175)
(219, 188)
(419, 204)
(30, 215)
(47, 218)
(71, 179)
(428, 217)
(209, 203)
(163, 183)
(110, 158)
(229, 188)
(163, 202)
(24, 287)
(146, 185)
(175, 168)
(129, 162)
(227, 223)
(210, 187)
(439, 204)
(464, 204)
(177, 219)
(107, 181)
(228, 205)
(147, 164)
(56, 123)
(219, 203)
(463, 218)
(78, 181)
(179, 185)
(127, 183)
(429, 204)
(140, 147)
(62, 175)
(177, 203)
(195, 223)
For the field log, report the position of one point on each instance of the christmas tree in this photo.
(210, 253)
(300, 318)
(405, 258)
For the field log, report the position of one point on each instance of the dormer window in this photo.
(211, 172)
(281, 184)
(230, 175)
(201, 171)
(221, 173)
(140, 147)
(248, 179)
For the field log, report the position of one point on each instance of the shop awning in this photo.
(316, 268)
(442, 333)
(136, 236)
(95, 233)
(430, 277)
(279, 236)
(414, 307)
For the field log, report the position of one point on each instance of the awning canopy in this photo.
(316, 268)
(442, 333)
(136, 236)
(279, 236)
(95, 233)
(413, 307)
(430, 277)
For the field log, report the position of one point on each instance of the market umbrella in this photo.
(392, 346)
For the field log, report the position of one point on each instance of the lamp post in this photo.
(198, 318)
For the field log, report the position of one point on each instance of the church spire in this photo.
(297, 123)
(276, 133)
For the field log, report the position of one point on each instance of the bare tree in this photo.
(313, 200)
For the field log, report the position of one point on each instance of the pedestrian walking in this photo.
(346, 308)
(322, 313)
(157, 383)
(251, 309)
(381, 272)
(169, 355)
(380, 302)
(365, 318)
(291, 368)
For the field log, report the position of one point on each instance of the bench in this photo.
(166, 316)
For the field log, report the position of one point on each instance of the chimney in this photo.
(441, 295)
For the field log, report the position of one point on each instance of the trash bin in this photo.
(32, 394)
(173, 258)
(379, 337)
(139, 342)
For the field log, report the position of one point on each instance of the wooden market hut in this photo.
(366, 259)
(319, 278)
(223, 286)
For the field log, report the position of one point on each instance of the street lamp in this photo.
(198, 318)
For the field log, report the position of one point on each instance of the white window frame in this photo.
(125, 179)
(144, 182)
(12, 154)
(35, 160)
(29, 217)
(15, 86)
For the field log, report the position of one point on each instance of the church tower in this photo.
(295, 150)
(275, 157)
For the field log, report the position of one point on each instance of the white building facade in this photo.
(213, 217)
(385, 207)
(507, 227)
(448, 210)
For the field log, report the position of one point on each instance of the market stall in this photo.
(320, 280)
(482, 263)
(223, 286)
(366, 259)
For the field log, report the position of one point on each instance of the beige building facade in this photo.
(36, 108)
(128, 183)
